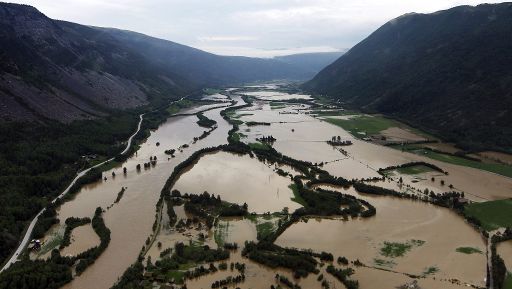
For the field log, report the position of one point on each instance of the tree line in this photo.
(205, 121)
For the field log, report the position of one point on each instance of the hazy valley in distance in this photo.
(131, 161)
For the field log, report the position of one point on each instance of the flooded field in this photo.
(397, 134)
(276, 95)
(398, 222)
(82, 239)
(303, 137)
(496, 157)
(195, 109)
(374, 278)
(216, 97)
(239, 179)
(257, 276)
(131, 220)
(404, 238)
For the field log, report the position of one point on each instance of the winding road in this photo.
(30, 228)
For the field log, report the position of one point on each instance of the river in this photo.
(242, 179)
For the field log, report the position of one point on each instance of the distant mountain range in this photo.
(448, 72)
(52, 69)
(310, 63)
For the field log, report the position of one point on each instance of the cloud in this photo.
(265, 53)
(248, 27)
(226, 38)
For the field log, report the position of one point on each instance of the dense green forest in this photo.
(36, 275)
(38, 160)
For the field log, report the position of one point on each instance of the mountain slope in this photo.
(59, 70)
(447, 72)
(310, 63)
(64, 71)
(202, 67)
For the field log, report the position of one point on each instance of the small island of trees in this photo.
(337, 141)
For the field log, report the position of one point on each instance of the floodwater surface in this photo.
(82, 239)
(275, 95)
(440, 231)
(131, 220)
(239, 179)
(430, 234)
(303, 137)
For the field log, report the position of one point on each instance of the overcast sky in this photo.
(261, 28)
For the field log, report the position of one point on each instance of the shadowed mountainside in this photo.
(446, 72)
(59, 70)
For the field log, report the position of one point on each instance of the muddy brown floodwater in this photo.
(131, 220)
(303, 137)
(239, 179)
(82, 239)
(432, 234)
(239, 230)
(276, 95)
(397, 221)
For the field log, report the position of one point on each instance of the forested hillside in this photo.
(446, 72)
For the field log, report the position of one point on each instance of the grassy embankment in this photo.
(415, 170)
(412, 170)
(501, 169)
(492, 215)
(508, 281)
